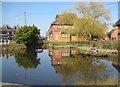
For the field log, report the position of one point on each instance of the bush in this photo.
(27, 35)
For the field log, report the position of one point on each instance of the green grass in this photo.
(65, 43)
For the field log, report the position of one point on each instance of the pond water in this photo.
(56, 67)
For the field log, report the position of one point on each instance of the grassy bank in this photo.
(65, 43)
(107, 47)
(14, 46)
(107, 44)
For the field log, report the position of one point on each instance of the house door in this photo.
(57, 37)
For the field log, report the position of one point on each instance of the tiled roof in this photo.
(111, 31)
(117, 23)
(7, 29)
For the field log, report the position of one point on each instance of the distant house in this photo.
(104, 37)
(114, 34)
(7, 34)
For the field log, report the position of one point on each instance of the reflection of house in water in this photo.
(57, 54)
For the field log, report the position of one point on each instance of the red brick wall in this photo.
(57, 33)
(114, 34)
(119, 33)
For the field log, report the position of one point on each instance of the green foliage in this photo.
(27, 59)
(93, 9)
(91, 23)
(79, 67)
(85, 27)
(27, 35)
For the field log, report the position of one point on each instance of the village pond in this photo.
(57, 67)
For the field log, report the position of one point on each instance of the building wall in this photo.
(114, 34)
(57, 35)
(6, 36)
(118, 32)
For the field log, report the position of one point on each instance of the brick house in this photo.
(114, 34)
(55, 33)
(118, 26)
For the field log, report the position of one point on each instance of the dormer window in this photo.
(59, 26)
(51, 53)
(65, 27)
(71, 27)
(50, 35)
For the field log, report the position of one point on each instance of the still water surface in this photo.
(56, 67)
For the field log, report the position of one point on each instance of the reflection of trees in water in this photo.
(79, 68)
(27, 59)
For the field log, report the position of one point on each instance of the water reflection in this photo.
(57, 54)
(27, 59)
(65, 66)
(6, 54)
(75, 69)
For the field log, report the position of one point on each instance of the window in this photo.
(50, 35)
(59, 26)
(51, 53)
(65, 35)
(65, 27)
(12, 33)
(4, 32)
(65, 54)
(71, 27)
